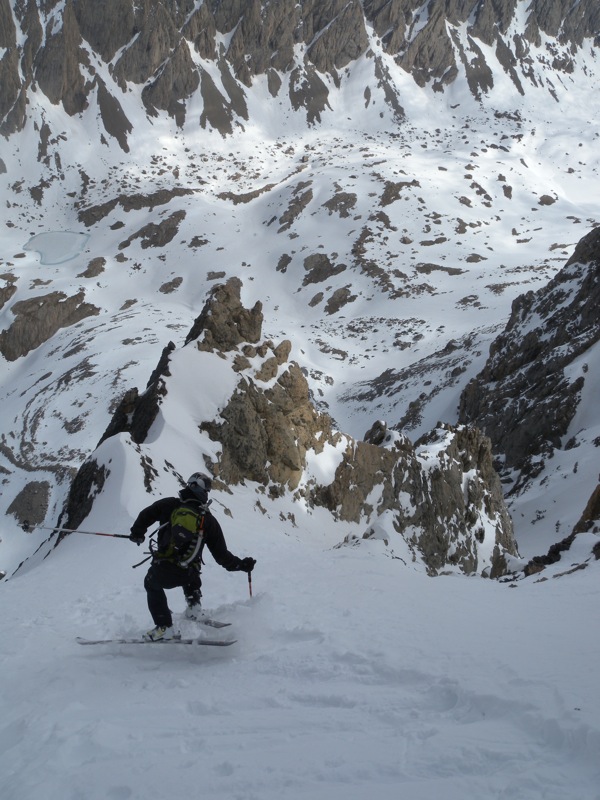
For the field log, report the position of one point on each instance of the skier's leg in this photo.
(159, 578)
(191, 590)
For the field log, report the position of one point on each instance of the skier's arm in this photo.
(215, 541)
(157, 512)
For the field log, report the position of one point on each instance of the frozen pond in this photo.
(57, 246)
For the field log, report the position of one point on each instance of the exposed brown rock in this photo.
(342, 203)
(88, 482)
(376, 433)
(10, 81)
(170, 286)
(340, 298)
(8, 290)
(217, 111)
(107, 26)
(201, 29)
(130, 202)
(341, 41)
(301, 196)
(156, 38)
(393, 190)
(94, 268)
(444, 522)
(263, 39)
(156, 234)
(224, 322)
(39, 318)
(590, 518)
(307, 90)
(319, 268)
(265, 434)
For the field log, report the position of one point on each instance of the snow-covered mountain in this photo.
(345, 256)
(384, 179)
(440, 160)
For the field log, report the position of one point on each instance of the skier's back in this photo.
(186, 527)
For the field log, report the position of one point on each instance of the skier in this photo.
(174, 565)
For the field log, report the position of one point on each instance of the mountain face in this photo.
(442, 497)
(207, 55)
(539, 379)
(342, 206)
(528, 394)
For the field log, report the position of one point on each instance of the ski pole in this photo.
(29, 528)
(250, 583)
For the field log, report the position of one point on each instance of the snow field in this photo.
(354, 676)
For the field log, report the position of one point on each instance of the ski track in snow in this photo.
(353, 677)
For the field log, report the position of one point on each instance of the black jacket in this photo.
(160, 512)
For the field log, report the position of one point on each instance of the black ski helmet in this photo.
(199, 485)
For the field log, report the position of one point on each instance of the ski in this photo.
(212, 623)
(139, 640)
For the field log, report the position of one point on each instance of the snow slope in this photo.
(353, 676)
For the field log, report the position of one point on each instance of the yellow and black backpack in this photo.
(180, 542)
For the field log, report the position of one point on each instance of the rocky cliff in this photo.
(528, 393)
(81, 52)
(536, 398)
(441, 496)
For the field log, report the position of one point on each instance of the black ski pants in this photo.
(164, 575)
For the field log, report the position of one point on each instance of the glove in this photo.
(247, 565)
(138, 538)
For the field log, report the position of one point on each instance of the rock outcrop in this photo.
(443, 494)
(38, 319)
(590, 518)
(269, 423)
(86, 485)
(136, 412)
(31, 503)
(527, 395)
(224, 322)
